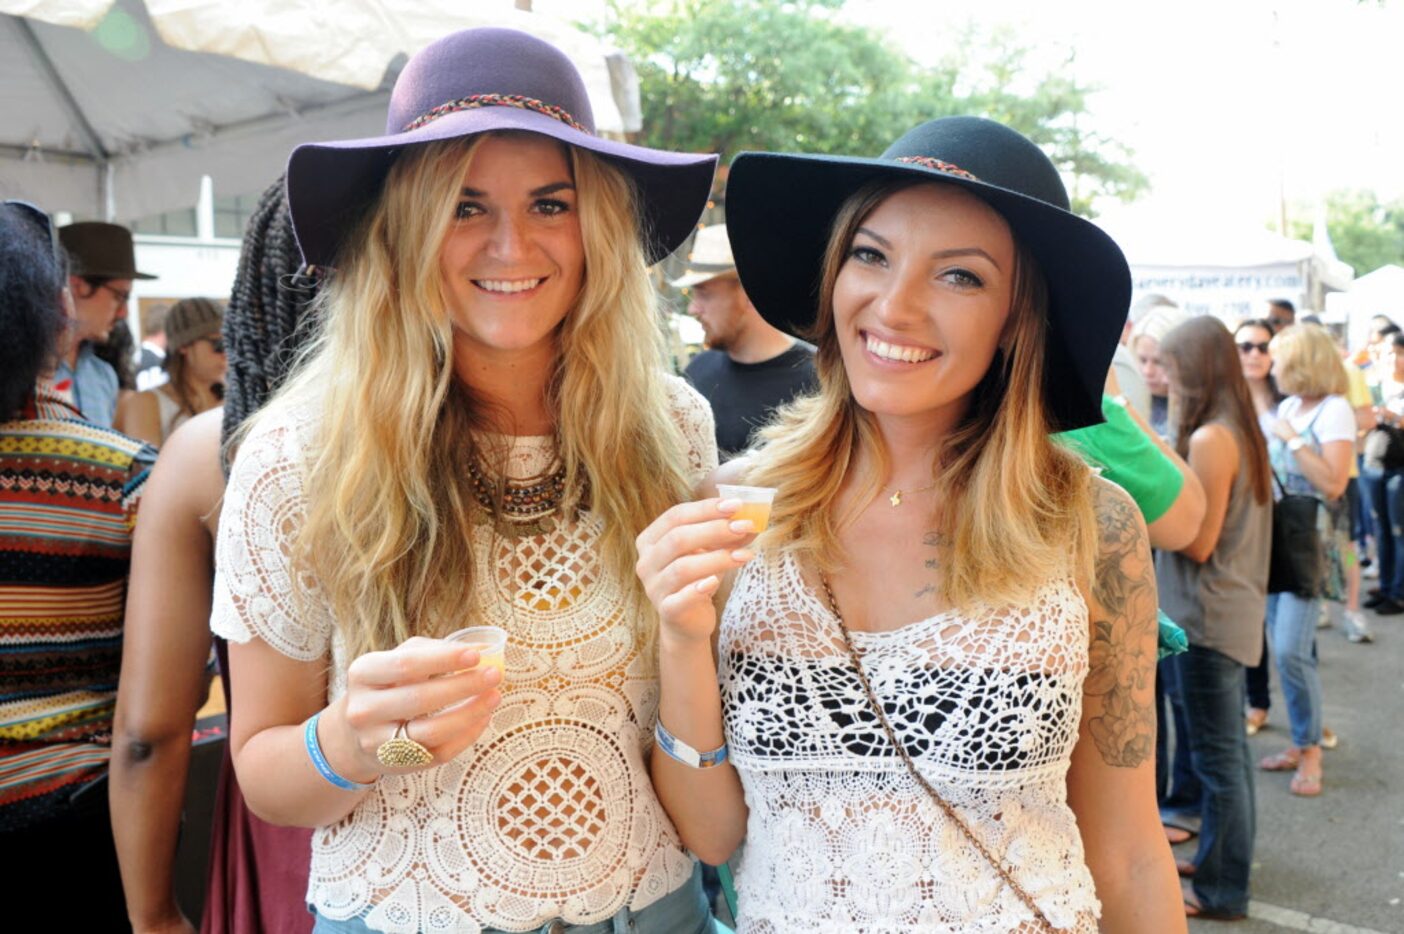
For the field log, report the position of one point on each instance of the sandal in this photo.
(1195, 910)
(1285, 761)
(1256, 719)
(1179, 828)
(1305, 784)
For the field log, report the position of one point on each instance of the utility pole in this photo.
(1280, 67)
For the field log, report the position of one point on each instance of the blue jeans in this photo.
(1179, 791)
(1292, 632)
(682, 911)
(1384, 491)
(1211, 685)
(1258, 680)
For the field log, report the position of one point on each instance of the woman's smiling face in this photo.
(513, 261)
(921, 301)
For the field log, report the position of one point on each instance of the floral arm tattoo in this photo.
(1121, 672)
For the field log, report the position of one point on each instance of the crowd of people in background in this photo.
(316, 481)
(1273, 408)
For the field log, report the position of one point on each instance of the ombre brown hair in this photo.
(1017, 507)
(1207, 383)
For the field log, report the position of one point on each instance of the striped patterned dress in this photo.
(68, 500)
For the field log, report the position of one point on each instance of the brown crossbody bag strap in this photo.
(920, 779)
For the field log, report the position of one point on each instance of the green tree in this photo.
(1366, 232)
(1051, 108)
(792, 76)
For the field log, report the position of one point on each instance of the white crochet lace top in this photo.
(840, 838)
(550, 814)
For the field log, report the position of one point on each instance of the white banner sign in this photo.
(1230, 294)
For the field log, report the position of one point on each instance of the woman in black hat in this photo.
(988, 766)
(476, 436)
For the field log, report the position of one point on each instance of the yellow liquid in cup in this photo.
(489, 657)
(758, 513)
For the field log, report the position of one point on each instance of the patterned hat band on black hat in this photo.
(938, 165)
(474, 101)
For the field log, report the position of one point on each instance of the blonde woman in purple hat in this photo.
(476, 436)
(924, 695)
(196, 364)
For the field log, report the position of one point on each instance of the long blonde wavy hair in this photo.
(1016, 507)
(388, 502)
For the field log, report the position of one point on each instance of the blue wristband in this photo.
(319, 761)
(680, 751)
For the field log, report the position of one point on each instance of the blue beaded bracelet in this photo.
(680, 751)
(319, 761)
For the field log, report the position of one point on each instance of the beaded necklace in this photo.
(519, 508)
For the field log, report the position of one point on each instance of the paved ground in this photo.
(1335, 864)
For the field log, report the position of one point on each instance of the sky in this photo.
(1226, 103)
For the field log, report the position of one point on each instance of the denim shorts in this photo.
(682, 911)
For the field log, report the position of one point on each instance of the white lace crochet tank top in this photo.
(550, 814)
(840, 838)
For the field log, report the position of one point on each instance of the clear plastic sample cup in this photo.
(755, 503)
(490, 643)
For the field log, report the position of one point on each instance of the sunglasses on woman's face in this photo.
(1250, 346)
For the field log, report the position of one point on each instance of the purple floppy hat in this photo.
(476, 81)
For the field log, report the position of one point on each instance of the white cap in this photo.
(710, 258)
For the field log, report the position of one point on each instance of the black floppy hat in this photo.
(781, 209)
(476, 81)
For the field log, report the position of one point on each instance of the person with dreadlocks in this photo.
(480, 430)
(258, 872)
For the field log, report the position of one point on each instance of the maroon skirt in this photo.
(258, 871)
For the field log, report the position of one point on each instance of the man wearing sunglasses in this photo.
(104, 266)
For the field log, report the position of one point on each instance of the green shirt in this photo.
(1129, 458)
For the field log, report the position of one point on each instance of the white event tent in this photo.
(1228, 271)
(116, 110)
(1377, 293)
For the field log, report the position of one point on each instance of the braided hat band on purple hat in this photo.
(478, 81)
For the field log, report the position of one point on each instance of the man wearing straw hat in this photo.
(749, 368)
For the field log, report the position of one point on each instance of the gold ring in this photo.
(399, 751)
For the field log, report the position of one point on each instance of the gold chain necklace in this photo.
(896, 498)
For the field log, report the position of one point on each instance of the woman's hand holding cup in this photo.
(683, 556)
(433, 687)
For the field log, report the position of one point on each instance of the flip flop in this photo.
(1305, 785)
(1285, 761)
(1185, 868)
(1195, 910)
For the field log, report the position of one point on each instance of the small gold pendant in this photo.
(896, 499)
